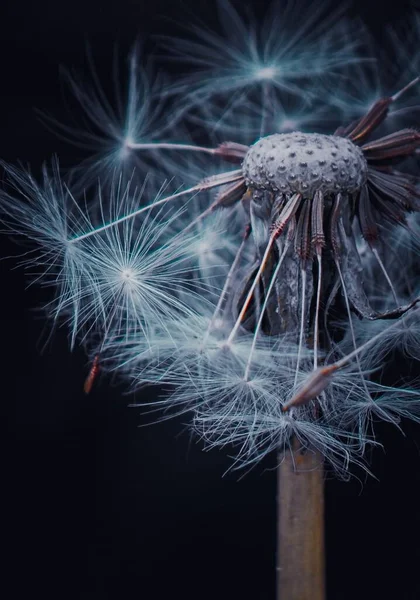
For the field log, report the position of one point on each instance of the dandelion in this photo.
(125, 279)
(49, 215)
(284, 53)
(111, 130)
(259, 291)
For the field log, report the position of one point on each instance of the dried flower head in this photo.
(260, 296)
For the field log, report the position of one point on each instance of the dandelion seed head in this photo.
(242, 302)
(304, 163)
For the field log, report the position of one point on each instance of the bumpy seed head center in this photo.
(304, 163)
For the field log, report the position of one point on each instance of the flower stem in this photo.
(300, 529)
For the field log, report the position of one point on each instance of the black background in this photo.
(98, 508)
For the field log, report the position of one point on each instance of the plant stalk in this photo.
(300, 528)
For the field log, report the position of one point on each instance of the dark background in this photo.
(98, 508)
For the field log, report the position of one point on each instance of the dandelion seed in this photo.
(284, 53)
(112, 129)
(90, 379)
(123, 277)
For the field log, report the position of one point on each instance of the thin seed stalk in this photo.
(300, 527)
